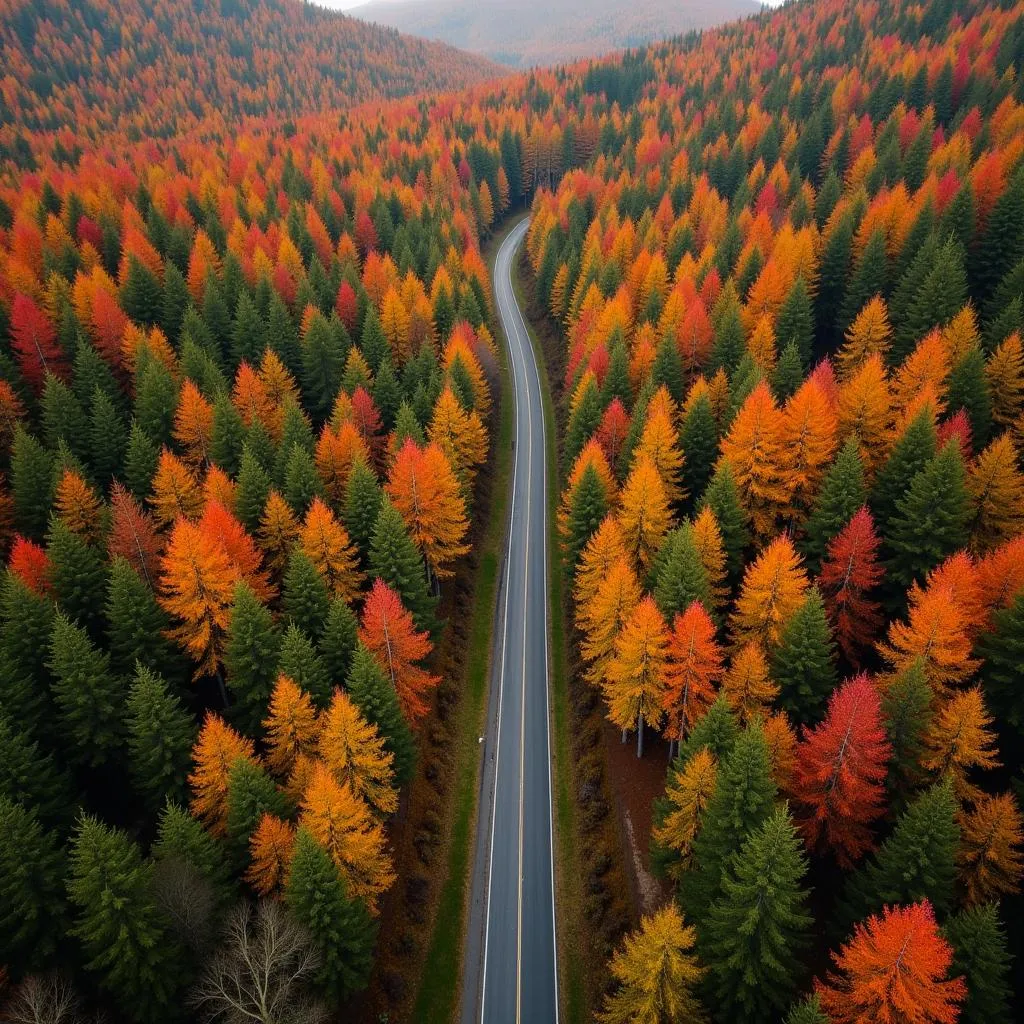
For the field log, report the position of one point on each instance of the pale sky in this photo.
(344, 5)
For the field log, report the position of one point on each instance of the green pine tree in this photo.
(299, 661)
(362, 503)
(64, 417)
(397, 561)
(156, 399)
(788, 373)
(980, 956)
(699, 442)
(122, 931)
(907, 712)
(140, 462)
(842, 493)
(341, 927)
(968, 390)
(1002, 668)
(323, 362)
(375, 697)
(142, 296)
(160, 738)
(744, 798)
(251, 654)
(89, 697)
(252, 490)
(251, 794)
(182, 838)
(32, 901)
(305, 598)
(679, 575)
(33, 484)
(803, 665)
(137, 626)
(807, 1012)
(722, 497)
(228, 436)
(107, 439)
(939, 297)
(583, 422)
(915, 448)
(175, 301)
(78, 576)
(870, 278)
(31, 775)
(338, 640)
(26, 621)
(587, 508)
(301, 481)
(795, 321)
(931, 520)
(755, 929)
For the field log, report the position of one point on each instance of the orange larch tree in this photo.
(991, 852)
(176, 491)
(960, 740)
(216, 750)
(291, 725)
(326, 543)
(270, 854)
(693, 666)
(774, 586)
(603, 618)
(747, 685)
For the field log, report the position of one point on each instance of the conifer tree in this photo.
(362, 505)
(588, 506)
(299, 660)
(251, 654)
(914, 449)
(377, 702)
(916, 862)
(744, 798)
(160, 737)
(339, 925)
(122, 931)
(1002, 667)
(338, 640)
(931, 520)
(31, 775)
(907, 711)
(77, 575)
(679, 574)
(981, 958)
(795, 321)
(756, 928)
(803, 665)
(788, 372)
(252, 491)
(140, 461)
(807, 1012)
(182, 838)
(699, 442)
(395, 559)
(305, 597)
(32, 903)
(136, 625)
(722, 497)
(89, 697)
(251, 794)
(26, 621)
(655, 973)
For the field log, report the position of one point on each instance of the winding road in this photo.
(510, 972)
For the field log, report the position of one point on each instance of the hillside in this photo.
(149, 67)
(526, 35)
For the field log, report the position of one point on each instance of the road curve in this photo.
(510, 973)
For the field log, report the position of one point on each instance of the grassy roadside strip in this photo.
(569, 897)
(441, 986)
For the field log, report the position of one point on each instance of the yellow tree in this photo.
(326, 543)
(635, 677)
(1005, 374)
(989, 855)
(602, 551)
(995, 486)
(291, 725)
(774, 586)
(865, 412)
(603, 618)
(270, 854)
(869, 335)
(959, 740)
(659, 441)
(707, 538)
(460, 434)
(655, 973)
(354, 752)
(747, 686)
(687, 795)
(216, 750)
(754, 448)
(644, 514)
(176, 491)
(342, 824)
(809, 441)
(277, 532)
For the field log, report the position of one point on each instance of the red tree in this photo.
(893, 971)
(849, 572)
(34, 342)
(133, 534)
(841, 766)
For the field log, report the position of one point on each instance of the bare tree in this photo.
(188, 899)
(260, 972)
(43, 999)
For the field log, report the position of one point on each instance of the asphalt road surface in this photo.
(510, 972)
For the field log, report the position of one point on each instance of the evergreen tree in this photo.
(142, 296)
(397, 561)
(717, 731)
(341, 927)
(156, 399)
(836, 263)
(743, 799)
(160, 738)
(585, 419)
(587, 508)
(699, 442)
(362, 505)
(305, 597)
(137, 626)
(89, 698)
(842, 493)
(980, 956)
(299, 661)
(807, 1012)
(31, 776)
(32, 904)
(78, 576)
(301, 481)
(679, 575)
(251, 655)
(722, 497)
(795, 321)
(323, 362)
(870, 278)
(667, 370)
(251, 794)
(757, 926)
(33, 484)
(788, 373)
(730, 342)
(107, 439)
(940, 296)
(122, 931)
(64, 418)
(1000, 245)
(968, 390)
(228, 436)
(906, 708)
(26, 621)
(377, 701)
(252, 490)
(247, 336)
(803, 664)
(1002, 669)
(912, 452)
(182, 838)
(140, 462)
(175, 301)
(338, 640)
(931, 520)
(918, 861)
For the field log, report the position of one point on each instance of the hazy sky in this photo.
(343, 5)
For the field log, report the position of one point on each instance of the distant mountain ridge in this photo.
(143, 65)
(522, 34)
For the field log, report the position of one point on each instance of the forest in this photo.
(249, 383)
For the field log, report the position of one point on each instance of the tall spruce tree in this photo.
(803, 664)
